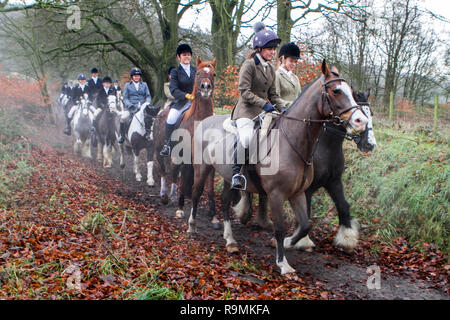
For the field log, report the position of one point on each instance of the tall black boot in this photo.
(68, 130)
(165, 152)
(121, 138)
(238, 181)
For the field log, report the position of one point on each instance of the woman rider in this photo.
(287, 84)
(181, 86)
(256, 93)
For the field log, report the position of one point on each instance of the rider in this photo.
(286, 83)
(135, 94)
(102, 96)
(95, 84)
(256, 93)
(77, 94)
(117, 86)
(181, 86)
(64, 91)
(169, 96)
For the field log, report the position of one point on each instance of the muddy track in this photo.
(338, 274)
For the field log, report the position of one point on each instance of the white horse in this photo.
(136, 140)
(82, 126)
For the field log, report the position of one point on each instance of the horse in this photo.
(328, 162)
(201, 108)
(106, 133)
(82, 126)
(136, 139)
(285, 171)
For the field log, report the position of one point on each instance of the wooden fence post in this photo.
(391, 106)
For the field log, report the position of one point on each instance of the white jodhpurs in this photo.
(245, 131)
(124, 116)
(175, 114)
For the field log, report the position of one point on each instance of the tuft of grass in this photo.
(95, 223)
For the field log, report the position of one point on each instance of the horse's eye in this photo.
(336, 91)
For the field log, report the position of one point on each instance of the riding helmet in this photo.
(135, 71)
(94, 70)
(107, 79)
(264, 38)
(184, 47)
(290, 50)
(81, 77)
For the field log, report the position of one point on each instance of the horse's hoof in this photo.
(232, 248)
(138, 179)
(216, 226)
(165, 200)
(191, 230)
(179, 214)
(349, 250)
(309, 249)
(122, 166)
(151, 184)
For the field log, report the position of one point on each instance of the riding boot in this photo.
(165, 152)
(238, 181)
(67, 130)
(121, 138)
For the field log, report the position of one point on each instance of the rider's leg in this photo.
(69, 117)
(245, 133)
(172, 119)
(123, 118)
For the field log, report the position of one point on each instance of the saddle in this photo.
(263, 124)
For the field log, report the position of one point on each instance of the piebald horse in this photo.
(136, 140)
(285, 171)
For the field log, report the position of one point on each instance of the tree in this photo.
(286, 8)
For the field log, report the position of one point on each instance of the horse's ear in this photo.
(214, 62)
(367, 93)
(199, 60)
(335, 70)
(325, 68)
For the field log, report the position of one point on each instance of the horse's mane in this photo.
(191, 111)
(302, 93)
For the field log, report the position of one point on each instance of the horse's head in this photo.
(150, 114)
(112, 103)
(366, 140)
(204, 78)
(338, 101)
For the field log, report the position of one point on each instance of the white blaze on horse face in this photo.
(358, 120)
(371, 136)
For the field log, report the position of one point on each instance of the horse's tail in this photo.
(191, 111)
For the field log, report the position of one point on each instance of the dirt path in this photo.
(338, 277)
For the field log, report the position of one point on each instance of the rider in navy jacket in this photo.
(181, 86)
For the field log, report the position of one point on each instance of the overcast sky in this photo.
(200, 16)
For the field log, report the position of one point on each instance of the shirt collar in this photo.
(288, 73)
(263, 62)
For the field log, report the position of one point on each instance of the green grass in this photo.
(402, 187)
(14, 149)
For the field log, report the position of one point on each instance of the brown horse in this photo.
(285, 171)
(202, 107)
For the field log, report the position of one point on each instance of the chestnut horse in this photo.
(202, 107)
(285, 171)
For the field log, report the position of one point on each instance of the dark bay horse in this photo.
(285, 171)
(170, 168)
(328, 162)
